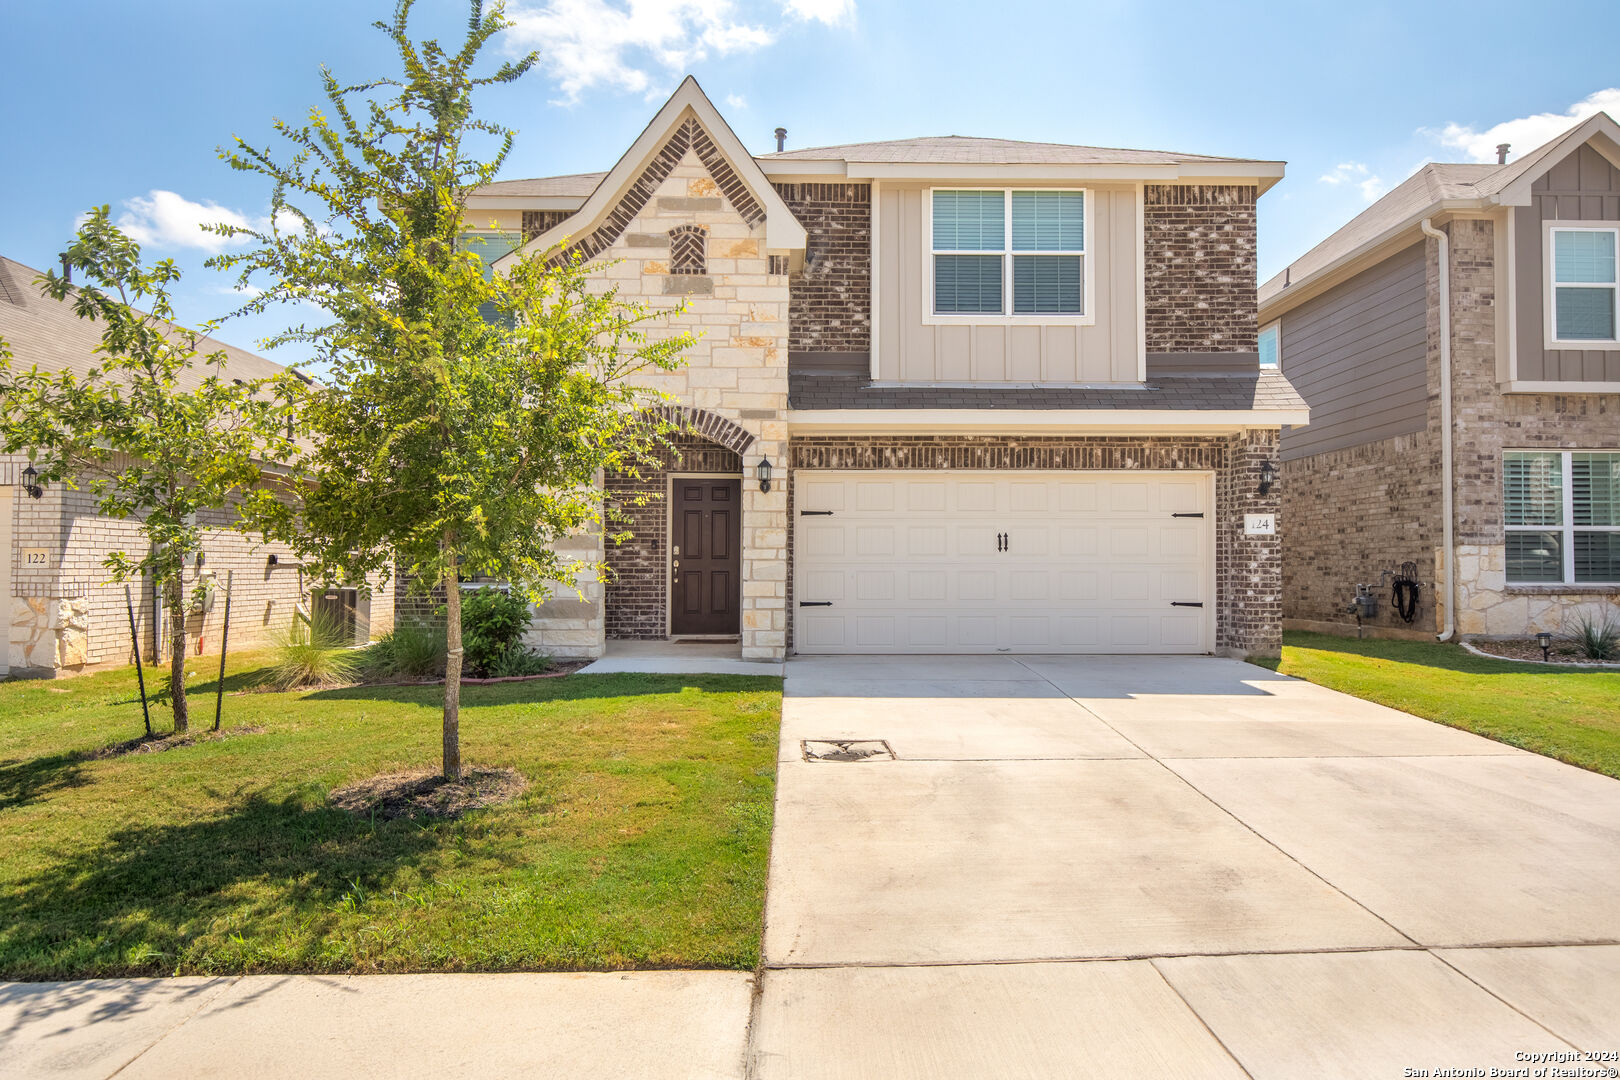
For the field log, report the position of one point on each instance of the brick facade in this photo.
(1347, 516)
(637, 595)
(1248, 577)
(536, 222)
(830, 305)
(1199, 268)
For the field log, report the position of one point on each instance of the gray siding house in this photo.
(1457, 345)
(1009, 394)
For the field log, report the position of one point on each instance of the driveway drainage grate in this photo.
(847, 750)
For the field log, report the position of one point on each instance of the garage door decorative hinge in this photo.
(1186, 603)
(815, 513)
(815, 603)
(1199, 514)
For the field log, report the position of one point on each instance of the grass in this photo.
(641, 840)
(1570, 715)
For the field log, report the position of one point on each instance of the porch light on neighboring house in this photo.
(30, 477)
(1544, 639)
(1268, 477)
(763, 471)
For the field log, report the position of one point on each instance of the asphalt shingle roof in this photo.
(1193, 392)
(962, 149)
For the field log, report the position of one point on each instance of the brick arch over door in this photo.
(635, 603)
(712, 426)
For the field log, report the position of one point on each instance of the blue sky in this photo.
(123, 103)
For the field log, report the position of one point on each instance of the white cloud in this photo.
(630, 44)
(1527, 132)
(736, 101)
(831, 12)
(168, 220)
(1357, 175)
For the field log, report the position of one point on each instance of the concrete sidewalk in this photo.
(687, 1025)
(1171, 867)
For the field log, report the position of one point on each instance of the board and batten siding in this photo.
(910, 349)
(1583, 187)
(1357, 355)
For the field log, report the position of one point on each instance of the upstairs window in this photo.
(1562, 512)
(1271, 346)
(1008, 251)
(1583, 284)
(490, 246)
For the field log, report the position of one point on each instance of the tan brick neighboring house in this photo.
(1009, 394)
(64, 617)
(1526, 252)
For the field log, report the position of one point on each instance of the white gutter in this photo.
(1450, 549)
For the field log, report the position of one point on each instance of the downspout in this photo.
(1450, 583)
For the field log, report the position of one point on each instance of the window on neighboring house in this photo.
(1562, 512)
(1008, 251)
(1583, 284)
(1271, 346)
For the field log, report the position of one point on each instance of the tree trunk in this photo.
(175, 591)
(452, 674)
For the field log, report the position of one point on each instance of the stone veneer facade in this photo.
(1199, 260)
(733, 387)
(1248, 569)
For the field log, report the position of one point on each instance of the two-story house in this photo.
(1457, 344)
(951, 395)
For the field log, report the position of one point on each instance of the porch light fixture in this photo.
(763, 471)
(30, 477)
(1268, 477)
(1544, 639)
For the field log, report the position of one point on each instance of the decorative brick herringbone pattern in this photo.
(688, 250)
(688, 136)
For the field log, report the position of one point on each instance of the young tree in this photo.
(155, 428)
(464, 416)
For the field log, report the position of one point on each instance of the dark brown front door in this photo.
(707, 564)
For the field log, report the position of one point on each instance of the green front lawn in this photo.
(641, 840)
(1568, 714)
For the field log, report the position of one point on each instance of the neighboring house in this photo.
(1526, 345)
(1009, 394)
(65, 616)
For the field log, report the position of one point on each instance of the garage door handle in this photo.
(815, 513)
(815, 603)
(1186, 603)
(1199, 514)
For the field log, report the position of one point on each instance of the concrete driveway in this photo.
(1165, 867)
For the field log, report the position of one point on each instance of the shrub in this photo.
(1597, 635)
(312, 654)
(409, 651)
(492, 622)
(517, 660)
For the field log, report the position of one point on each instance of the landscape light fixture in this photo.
(763, 471)
(1544, 639)
(1268, 477)
(30, 477)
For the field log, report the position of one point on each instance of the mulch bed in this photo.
(157, 744)
(1563, 652)
(425, 793)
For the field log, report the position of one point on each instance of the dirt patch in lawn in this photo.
(157, 744)
(425, 793)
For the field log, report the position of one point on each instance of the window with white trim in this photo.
(1561, 509)
(490, 246)
(1584, 285)
(1271, 346)
(1008, 252)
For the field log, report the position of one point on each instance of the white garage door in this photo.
(982, 562)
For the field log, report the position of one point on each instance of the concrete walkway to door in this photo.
(1166, 867)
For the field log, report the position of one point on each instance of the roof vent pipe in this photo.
(1449, 552)
(1501, 153)
(781, 139)
(67, 269)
